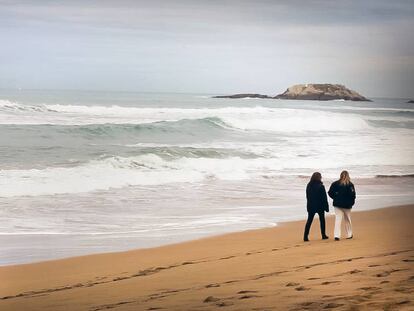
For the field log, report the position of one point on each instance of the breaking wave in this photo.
(118, 172)
(270, 119)
(169, 165)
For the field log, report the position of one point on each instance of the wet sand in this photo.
(266, 269)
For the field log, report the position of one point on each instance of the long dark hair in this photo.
(316, 177)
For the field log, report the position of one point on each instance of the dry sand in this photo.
(267, 269)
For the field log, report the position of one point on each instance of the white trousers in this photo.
(339, 214)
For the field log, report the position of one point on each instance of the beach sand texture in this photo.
(266, 269)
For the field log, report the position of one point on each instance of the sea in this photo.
(85, 172)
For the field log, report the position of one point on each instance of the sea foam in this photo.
(152, 169)
(242, 118)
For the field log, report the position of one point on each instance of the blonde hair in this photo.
(344, 178)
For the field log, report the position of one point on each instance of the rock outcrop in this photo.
(320, 92)
(243, 96)
(411, 101)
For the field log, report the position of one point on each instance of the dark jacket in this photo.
(342, 195)
(317, 201)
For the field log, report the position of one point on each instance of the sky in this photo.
(213, 47)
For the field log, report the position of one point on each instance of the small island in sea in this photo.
(309, 92)
(411, 101)
(321, 92)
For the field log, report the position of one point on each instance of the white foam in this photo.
(10, 106)
(289, 120)
(245, 118)
(354, 108)
(150, 169)
(117, 172)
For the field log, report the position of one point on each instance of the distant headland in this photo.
(243, 96)
(309, 92)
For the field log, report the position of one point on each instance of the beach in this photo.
(264, 269)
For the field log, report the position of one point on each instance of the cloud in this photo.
(207, 46)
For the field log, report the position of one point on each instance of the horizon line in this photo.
(160, 92)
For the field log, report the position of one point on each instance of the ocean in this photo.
(84, 172)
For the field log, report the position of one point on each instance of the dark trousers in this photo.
(309, 222)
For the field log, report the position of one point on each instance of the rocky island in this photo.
(243, 96)
(321, 92)
(309, 92)
(411, 101)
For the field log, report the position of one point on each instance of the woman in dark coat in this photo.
(343, 194)
(317, 203)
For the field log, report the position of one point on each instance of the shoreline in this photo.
(278, 223)
(245, 270)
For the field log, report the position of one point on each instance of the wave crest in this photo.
(259, 118)
(9, 106)
(118, 172)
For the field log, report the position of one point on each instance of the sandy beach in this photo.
(266, 269)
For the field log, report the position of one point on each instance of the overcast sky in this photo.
(208, 46)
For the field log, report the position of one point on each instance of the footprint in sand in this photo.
(383, 274)
(369, 288)
(387, 273)
(211, 299)
(292, 284)
(188, 263)
(224, 304)
(247, 294)
(309, 305)
(405, 290)
(212, 285)
(252, 253)
(329, 282)
(229, 282)
(302, 288)
(333, 305)
(120, 278)
(327, 296)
